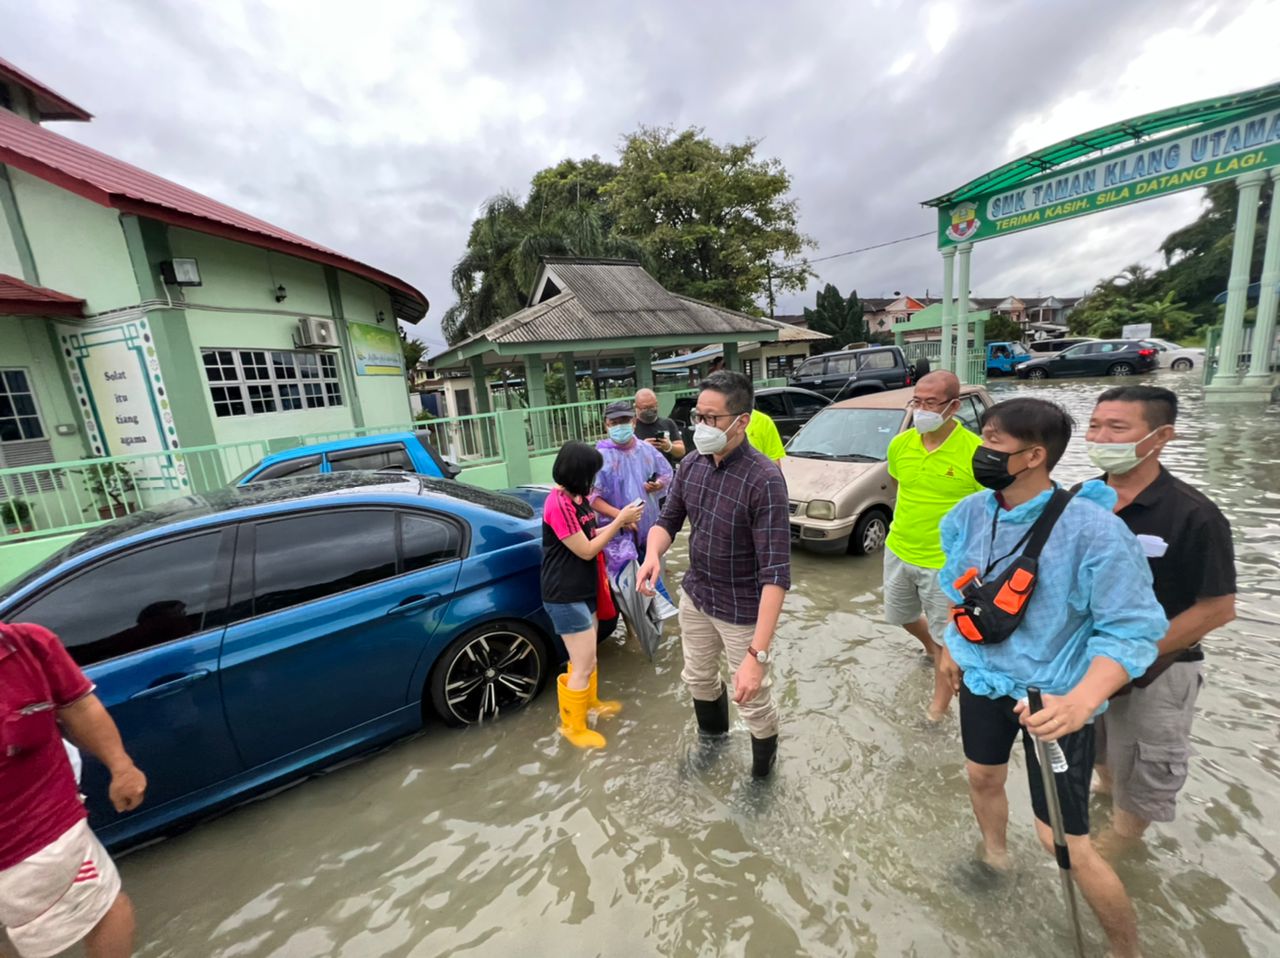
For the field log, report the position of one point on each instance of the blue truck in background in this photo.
(397, 451)
(1004, 358)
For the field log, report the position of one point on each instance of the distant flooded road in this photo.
(504, 840)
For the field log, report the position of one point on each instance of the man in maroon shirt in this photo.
(57, 883)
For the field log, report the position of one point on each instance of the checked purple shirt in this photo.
(740, 538)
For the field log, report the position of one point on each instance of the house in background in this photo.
(138, 317)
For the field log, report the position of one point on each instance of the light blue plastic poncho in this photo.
(621, 481)
(1093, 594)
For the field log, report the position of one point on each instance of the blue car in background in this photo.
(394, 451)
(244, 636)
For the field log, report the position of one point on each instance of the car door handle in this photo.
(413, 603)
(170, 684)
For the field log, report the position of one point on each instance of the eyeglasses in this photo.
(933, 405)
(697, 418)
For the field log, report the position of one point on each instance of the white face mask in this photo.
(926, 420)
(1117, 458)
(709, 440)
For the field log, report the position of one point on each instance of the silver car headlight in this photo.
(821, 509)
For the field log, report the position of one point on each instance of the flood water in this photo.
(504, 840)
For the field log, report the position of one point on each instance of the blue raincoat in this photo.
(621, 481)
(1093, 594)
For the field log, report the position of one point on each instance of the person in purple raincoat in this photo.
(632, 470)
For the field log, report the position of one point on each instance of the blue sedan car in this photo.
(244, 636)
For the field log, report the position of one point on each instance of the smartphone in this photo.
(653, 477)
(639, 501)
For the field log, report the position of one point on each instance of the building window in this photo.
(250, 382)
(19, 418)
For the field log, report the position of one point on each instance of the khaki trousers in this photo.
(704, 640)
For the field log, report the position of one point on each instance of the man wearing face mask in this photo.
(1089, 626)
(739, 566)
(661, 433)
(632, 470)
(933, 465)
(1144, 738)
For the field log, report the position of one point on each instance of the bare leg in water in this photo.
(941, 688)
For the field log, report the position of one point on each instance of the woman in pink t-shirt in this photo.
(571, 581)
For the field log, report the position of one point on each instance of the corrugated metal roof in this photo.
(49, 104)
(18, 298)
(114, 183)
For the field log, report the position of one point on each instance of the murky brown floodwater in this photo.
(504, 840)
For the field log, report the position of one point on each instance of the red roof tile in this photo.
(22, 299)
(114, 183)
(51, 105)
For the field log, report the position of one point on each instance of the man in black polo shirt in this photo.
(1144, 738)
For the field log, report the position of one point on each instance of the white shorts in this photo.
(911, 591)
(53, 899)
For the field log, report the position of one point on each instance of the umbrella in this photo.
(1051, 759)
(640, 611)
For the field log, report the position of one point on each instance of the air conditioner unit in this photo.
(316, 333)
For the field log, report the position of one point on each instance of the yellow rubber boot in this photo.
(605, 708)
(573, 715)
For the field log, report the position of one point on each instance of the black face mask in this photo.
(991, 468)
(647, 415)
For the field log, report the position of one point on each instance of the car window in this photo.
(811, 367)
(1075, 351)
(153, 595)
(427, 540)
(302, 466)
(390, 456)
(803, 405)
(970, 414)
(879, 360)
(840, 366)
(855, 434)
(772, 405)
(1110, 347)
(307, 557)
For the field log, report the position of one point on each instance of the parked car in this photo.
(402, 451)
(1102, 357)
(854, 372)
(244, 636)
(1003, 358)
(842, 495)
(789, 408)
(1178, 358)
(1046, 347)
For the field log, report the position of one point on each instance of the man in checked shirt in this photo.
(739, 564)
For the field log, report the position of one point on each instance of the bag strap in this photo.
(1053, 510)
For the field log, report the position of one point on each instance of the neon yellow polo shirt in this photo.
(929, 484)
(762, 432)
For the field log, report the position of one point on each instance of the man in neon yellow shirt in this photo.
(933, 464)
(762, 433)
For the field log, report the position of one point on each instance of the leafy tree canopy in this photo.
(840, 318)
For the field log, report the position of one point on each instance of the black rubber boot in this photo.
(764, 752)
(713, 717)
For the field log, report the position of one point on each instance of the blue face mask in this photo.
(622, 434)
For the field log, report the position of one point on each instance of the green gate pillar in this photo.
(1264, 330)
(515, 447)
(1248, 188)
(731, 360)
(483, 403)
(980, 345)
(962, 317)
(946, 360)
(535, 381)
(570, 378)
(899, 338)
(643, 357)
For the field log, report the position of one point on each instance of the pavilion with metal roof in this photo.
(600, 309)
(1234, 137)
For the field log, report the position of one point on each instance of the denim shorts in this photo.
(570, 618)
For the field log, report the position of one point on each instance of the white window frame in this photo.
(264, 382)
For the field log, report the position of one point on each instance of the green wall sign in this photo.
(1183, 161)
(377, 350)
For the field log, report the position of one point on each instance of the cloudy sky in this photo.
(378, 127)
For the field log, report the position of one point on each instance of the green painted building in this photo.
(138, 317)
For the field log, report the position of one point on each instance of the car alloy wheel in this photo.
(488, 672)
(1037, 373)
(1120, 369)
(870, 533)
(1182, 365)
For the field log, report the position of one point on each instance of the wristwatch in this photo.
(761, 655)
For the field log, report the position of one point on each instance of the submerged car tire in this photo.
(1121, 369)
(869, 533)
(1037, 373)
(488, 671)
(1181, 365)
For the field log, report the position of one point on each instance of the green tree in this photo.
(1003, 329)
(412, 350)
(838, 317)
(716, 220)
(1132, 296)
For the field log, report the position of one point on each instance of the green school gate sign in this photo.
(1184, 161)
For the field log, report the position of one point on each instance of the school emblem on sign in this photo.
(964, 222)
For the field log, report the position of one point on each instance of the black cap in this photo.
(622, 409)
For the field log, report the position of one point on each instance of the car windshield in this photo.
(856, 435)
